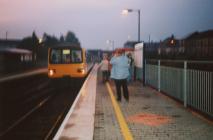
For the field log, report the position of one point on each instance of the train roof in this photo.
(67, 45)
(5, 43)
(15, 51)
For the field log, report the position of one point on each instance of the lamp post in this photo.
(126, 11)
(111, 42)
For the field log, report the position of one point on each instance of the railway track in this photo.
(33, 107)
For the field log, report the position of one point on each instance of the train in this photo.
(15, 60)
(68, 60)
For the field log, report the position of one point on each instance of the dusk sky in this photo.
(95, 21)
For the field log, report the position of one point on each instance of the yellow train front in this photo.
(69, 60)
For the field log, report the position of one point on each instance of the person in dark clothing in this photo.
(131, 67)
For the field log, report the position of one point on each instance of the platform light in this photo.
(126, 11)
(172, 42)
(112, 42)
(40, 40)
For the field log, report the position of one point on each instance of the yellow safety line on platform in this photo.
(123, 125)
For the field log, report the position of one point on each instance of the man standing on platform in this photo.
(120, 73)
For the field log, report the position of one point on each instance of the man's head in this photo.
(119, 52)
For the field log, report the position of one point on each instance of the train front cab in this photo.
(67, 62)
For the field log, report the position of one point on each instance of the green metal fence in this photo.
(172, 81)
(193, 87)
(200, 90)
(139, 73)
(151, 75)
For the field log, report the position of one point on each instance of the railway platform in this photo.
(149, 115)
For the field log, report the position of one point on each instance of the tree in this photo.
(71, 38)
(35, 44)
(62, 38)
(49, 40)
(30, 43)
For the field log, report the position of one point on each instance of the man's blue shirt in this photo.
(120, 67)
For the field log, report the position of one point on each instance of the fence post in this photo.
(159, 75)
(144, 72)
(185, 83)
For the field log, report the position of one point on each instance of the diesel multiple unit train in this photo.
(68, 61)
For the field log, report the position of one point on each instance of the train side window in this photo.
(76, 56)
(55, 56)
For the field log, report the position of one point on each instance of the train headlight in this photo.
(51, 72)
(81, 70)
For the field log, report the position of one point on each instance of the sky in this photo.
(96, 21)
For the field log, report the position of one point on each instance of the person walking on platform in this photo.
(105, 69)
(120, 73)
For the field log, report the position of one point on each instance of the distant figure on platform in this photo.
(131, 67)
(120, 73)
(105, 69)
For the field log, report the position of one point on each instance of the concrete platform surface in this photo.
(149, 115)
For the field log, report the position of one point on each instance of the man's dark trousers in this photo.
(122, 83)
